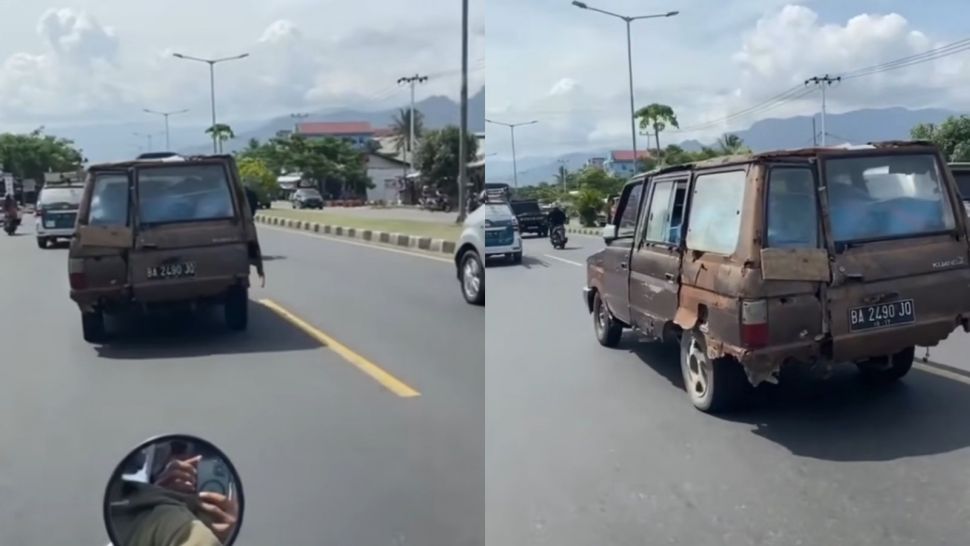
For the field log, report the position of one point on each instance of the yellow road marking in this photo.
(389, 382)
(942, 373)
(374, 245)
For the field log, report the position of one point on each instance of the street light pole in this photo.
(212, 85)
(629, 57)
(463, 133)
(168, 140)
(512, 126)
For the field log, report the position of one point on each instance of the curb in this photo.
(426, 244)
(594, 232)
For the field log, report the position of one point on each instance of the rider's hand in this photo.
(181, 476)
(222, 511)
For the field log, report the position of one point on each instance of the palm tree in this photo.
(221, 132)
(657, 117)
(402, 129)
(731, 144)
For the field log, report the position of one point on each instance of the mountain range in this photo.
(857, 126)
(109, 142)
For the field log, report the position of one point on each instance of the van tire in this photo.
(878, 370)
(516, 258)
(92, 326)
(42, 242)
(608, 331)
(471, 265)
(713, 386)
(236, 309)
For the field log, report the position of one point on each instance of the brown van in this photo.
(163, 232)
(815, 256)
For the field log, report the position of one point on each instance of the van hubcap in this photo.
(470, 277)
(698, 370)
(602, 317)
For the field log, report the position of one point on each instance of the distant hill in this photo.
(857, 126)
(102, 142)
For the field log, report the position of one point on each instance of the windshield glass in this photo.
(963, 184)
(183, 193)
(52, 196)
(881, 197)
(525, 206)
(109, 200)
(308, 193)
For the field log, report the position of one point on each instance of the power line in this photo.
(780, 99)
(937, 53)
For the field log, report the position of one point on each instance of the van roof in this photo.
(903, 145)
(167, 160)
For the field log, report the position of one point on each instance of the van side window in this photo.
(666, 213)
(627, 224)
(714, 224)
(792, 210)
(109, 200)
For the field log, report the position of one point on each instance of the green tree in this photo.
(731, 144)
(401, 126)
(257, 176)
(437, 157)
(599, 181)
(657, 117)
(221, 132)
(33, 154)
(952, 136)
(589, 204)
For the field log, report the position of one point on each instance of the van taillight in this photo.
(75, 272)
(754, 323)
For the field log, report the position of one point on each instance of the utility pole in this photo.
(823, 82)
(296, 121)
(562, 174)
(168, 140)
(412, 81)
(463, 133)
(814, 132)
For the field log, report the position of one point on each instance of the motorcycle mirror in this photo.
(171, 489)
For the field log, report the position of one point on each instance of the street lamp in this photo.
(212, 84)
(629, 57)
(512, 126)
(168, 140)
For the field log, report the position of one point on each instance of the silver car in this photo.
(56, 213)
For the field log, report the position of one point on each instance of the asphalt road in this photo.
(327, 454)
(590, 445)
(389, 213)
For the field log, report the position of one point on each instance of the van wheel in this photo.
(237, 309)
(713, 386)
(472, 278)
(92, 326)
(41, 242)
(887, 369)
(608, 330)
(515, 257)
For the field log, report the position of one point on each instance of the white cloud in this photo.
(745, 58)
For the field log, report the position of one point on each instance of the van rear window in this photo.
(886, 196)
(183, 193)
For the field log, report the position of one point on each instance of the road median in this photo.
(404, 240)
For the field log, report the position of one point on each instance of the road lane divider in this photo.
(426, 244)
(375, 372)
(564, 260)
(374, 246)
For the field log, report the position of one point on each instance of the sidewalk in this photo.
(953, 351)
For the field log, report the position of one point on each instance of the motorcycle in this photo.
(10, 223)
(558, 237)
(171, 483)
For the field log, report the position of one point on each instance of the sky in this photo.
(103, 61)
(716, 58)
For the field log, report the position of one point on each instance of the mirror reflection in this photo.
(174, 491)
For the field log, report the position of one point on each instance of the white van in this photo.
(491, 230)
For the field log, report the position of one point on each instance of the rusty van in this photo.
(161, 233)
(818, 256)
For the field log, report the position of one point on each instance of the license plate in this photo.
(49, 223)
(172, 271)
(882, 315)
(499, 237)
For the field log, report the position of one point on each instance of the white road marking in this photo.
(942, 373)
(564, 260)
(375, 246)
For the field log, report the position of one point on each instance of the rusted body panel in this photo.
(811, 293)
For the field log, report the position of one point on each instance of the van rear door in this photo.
(899, 256)
(190, 239)
(99, 250)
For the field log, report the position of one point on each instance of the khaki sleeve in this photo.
(196, 533)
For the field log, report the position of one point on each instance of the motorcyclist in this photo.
(9, 206)
(556, 217)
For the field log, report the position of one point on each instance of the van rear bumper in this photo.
(161, 293)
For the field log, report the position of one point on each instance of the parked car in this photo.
(815, 256)
(55, 213)
(489, 231)
(307, 198)
(159, 234)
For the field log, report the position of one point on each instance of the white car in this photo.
(56, 213)
(491, 230)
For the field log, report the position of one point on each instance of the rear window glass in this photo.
(714, 224)
(109, 200)
(886, 196)
(963, 183)
(308, 193)
(525, 206)
(52, 196)
(183, 193)
(792, 208)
